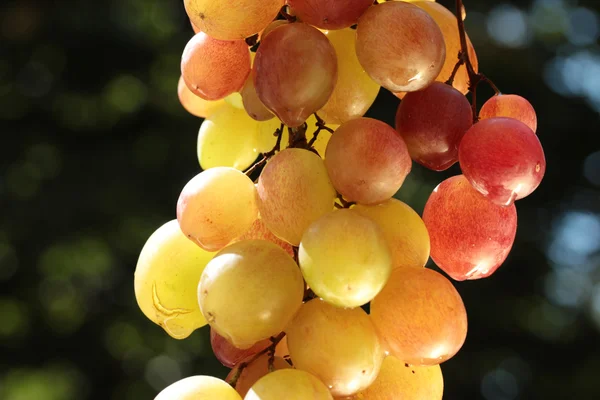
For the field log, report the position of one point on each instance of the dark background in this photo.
(95, 149)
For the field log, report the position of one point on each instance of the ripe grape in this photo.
(254, 371)
(355, 91)
(272, 26)
(227, 20)
(199, 387)
(294, 191)
(503, 159)
(512, 106)
(295, 71)
(252, 104)
(420, 316)
(432, 122)
(169, 299)
(470, 236)
(367, 160)
(228, 354)
(217, 206)
(446, 20)
(339, 346)
(344, 258)
(399, 380)
(227, 138)
(288, 384)
(400, 46)
(196, 105)
(259, 231)
(403, 230)
(250, 291)
(213, 69)
(329, 14)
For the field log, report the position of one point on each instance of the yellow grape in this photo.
(403, 230)
(288, 384)
(250, 291)
(254, 371)
(229, 20)
(259, 230)
(227, 138)
(199, 388)
(196, 105)
(399, 380)
(169, 299)
(355, 91)
(235, 100)
(420, 316)
(338, 345)
(294, 190)
(217, 206)
(344, 258)
(265, 135)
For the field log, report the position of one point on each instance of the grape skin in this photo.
(198, 387)
(329, 14)
(194, 104)
(512, 106)
(289, 384)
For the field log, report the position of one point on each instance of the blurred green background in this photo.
(95, 149)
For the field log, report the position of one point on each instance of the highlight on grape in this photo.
(291, 228)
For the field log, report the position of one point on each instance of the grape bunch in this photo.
(282, 266)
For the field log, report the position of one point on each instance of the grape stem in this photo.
(269, 154)
(475, 78)
(321, 126)
(283, 12)
(271, 350)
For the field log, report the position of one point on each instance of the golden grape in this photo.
(199, 388)
(196, 105)
(288, 384)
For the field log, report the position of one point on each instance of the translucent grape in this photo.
(339, 346)
(288, 384)
(196, 105)
(446, 20)
(254, 371)
(503, 159)
(355, 91)
(235, 100)
(329, 14)
(168, 299)
(367, 160)
(294, 191)
(252, 104)
(250, 291)
(344, 258)
(228, 354)
(512, 106)
(217, 206)
(213, 69)
(199, 387)
(227, 20)
(228, 138)
(295, 71)
(432, 122)
(398, 380)
(403, 230)
(470, 236)
(420, 316)
(400, 46)
(265, 135)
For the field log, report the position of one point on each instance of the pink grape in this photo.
(213, 69)
(470, 236)
(367, 160)
(228, 354)
(503, 159)
(432, 122)
(400, 46)
(295, 71)
(510, 105)
(329, 14)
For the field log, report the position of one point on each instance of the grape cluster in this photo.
(280, 268)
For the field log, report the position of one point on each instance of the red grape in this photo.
(295, 72)
(329, 14)
(503, 159)
(212, 68)
(432, 122)
(367, 160)
(510, 105)
(470, 236)
(228, 354)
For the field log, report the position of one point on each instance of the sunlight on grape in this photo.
(576, 237)
(507, 25)
(161, 371)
